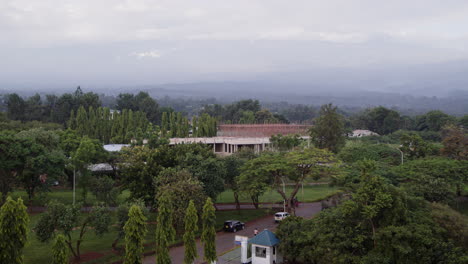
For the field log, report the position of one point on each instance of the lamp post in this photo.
(401, 154)
(284, 191)
(74, 179)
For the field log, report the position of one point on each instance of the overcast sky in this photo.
(131, 42)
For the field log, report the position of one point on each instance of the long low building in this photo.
(229, 145)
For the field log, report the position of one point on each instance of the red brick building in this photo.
(261, 130)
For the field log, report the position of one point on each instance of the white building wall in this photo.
(259, 260)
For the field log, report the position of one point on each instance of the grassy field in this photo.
(312, 193)
(64, 196)
(37, 252)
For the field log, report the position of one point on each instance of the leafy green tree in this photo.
(69, 142)
(265, 117)
(208, 237)
(13, 231)
(139, 167)
(371, 196)
(257, 175)
(413, 146)
(65, 219)
(380, 120)
(16, 107)
(433, 121)
(60, 250)
(104, 190)
(376, 152)
(202, 163)
(41, 159)
(455, 223)
(248, 117)
(285, 143)
(13, 151)
(434, 179)
(328, 131)
(308, 162)
(182, 187)
(191, 228)
(455, 141)
(34, 109)
(233, 164)
(380, 224)
(87, 153)
(135, 231)
(273, 169)
(165, 232)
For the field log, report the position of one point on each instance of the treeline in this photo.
(110, 127)
(53, 109)
(243, 112)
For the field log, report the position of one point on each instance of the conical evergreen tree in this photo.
(135, 231)
(173, 125)
(13, 231)
(91, 126)
(194, 126)
(191, 227)
(60, 252)
(81, 121)
(208, 237)
(72, 121)
(164, 124)
(165, 232)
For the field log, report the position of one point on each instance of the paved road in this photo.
(225, 241)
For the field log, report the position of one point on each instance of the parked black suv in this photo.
(233, 225)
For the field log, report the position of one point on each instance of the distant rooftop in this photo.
(115, 147)
(100, 167)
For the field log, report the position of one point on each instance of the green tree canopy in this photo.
(165, 232)
(208, 236)
(65, 218)
(60, 250)
(380, 224)
(135, 231)
(14, 222)
(182, 187)
(328, 130)
(191, 228)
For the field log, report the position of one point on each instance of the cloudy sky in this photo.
(134, 42)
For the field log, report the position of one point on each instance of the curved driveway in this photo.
(225, 241)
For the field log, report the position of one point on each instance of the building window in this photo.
(260, 252)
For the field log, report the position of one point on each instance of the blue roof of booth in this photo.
(265, 238)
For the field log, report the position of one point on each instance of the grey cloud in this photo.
(177, 40)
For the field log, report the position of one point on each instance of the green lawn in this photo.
(312, 193)
(64, 196)
(37, 252)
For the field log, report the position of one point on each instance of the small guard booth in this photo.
(265, 248)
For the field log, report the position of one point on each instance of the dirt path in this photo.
(225, 241)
